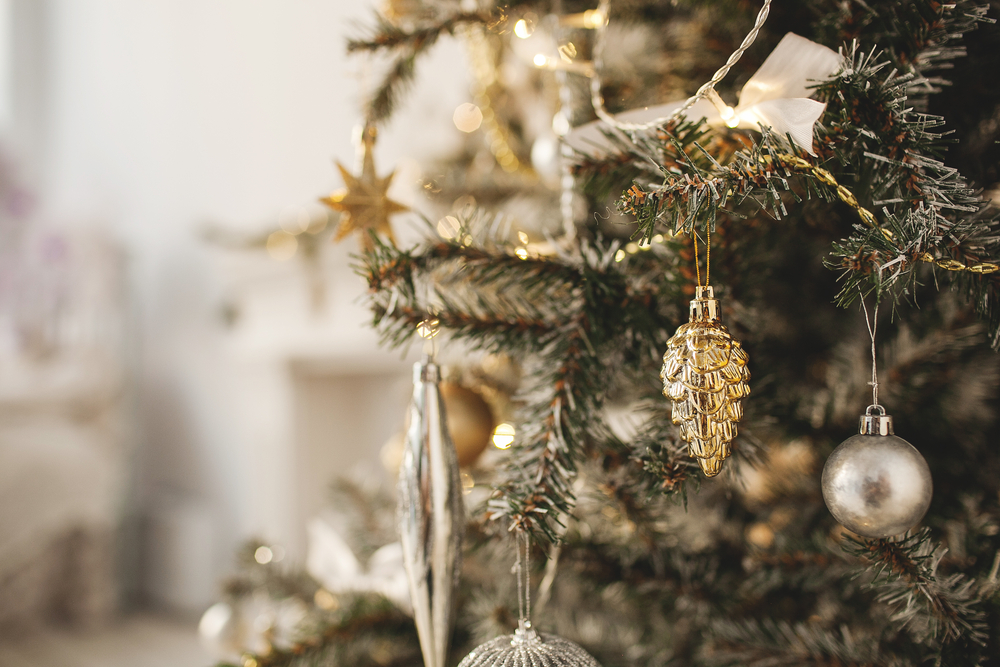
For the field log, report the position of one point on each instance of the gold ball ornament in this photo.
(705, 374)
(470, 425)
(391, 453)
(223, 631)
(470, 421)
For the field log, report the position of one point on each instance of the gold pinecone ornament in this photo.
(705, 374)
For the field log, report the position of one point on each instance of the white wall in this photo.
(161, 115)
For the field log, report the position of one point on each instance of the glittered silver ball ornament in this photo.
(875, 483)
(527, 648)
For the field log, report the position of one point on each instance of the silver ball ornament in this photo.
(875, 483)
(223, 631)
(527, 648)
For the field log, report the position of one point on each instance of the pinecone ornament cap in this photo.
(705, 374)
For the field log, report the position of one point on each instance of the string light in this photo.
(326, 600)
(543, 61)
(590, 19)
(503, 436)
(468, 483)
(706, 91)
(467, 117)
(484, 73)
(281, 245)
(449, 227)
(428, 328)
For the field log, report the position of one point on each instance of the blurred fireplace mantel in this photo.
(320, 396)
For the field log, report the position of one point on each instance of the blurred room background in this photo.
(184, 357)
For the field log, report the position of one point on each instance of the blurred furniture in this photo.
(62, 460)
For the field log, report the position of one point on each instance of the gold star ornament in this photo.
(365, 202)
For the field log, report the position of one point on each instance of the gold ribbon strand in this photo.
(822, 175)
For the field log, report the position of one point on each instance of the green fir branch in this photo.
(920, 37)
(367, 630)
(767, 643)
(408, 46)
(942, 608)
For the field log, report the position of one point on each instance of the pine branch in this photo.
(408, 46)
(920, 37)
(663, 456)
(941, 608)
(753, 643)
(929, 214)
(367, 631)
(487, 296)
(532, 332)
(700, 193)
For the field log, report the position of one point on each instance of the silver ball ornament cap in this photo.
(527, 648)
(875, 483)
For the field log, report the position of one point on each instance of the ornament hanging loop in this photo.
(872, 424)
(522, 569)
(872, 325)
(708, 256)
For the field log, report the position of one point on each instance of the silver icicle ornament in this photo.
(705, 374)
(431, 515)
(875, 483)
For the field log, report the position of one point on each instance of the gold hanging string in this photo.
(708, 255)
(697, 264)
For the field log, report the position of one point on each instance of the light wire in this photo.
(707, 90)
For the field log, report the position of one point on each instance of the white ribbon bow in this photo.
(777, 96)
(332, 562)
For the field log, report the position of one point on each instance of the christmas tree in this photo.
(691, 528)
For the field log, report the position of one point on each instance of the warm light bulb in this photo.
(282, 245)
(467, 117)
(468, 482)
(593, 19)
(263, 555)
(326, 600)
(620, 255)
(522, 30)
(522, 253)
(428, 328)
(503, 436)
(540, 60)
(449, 227)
